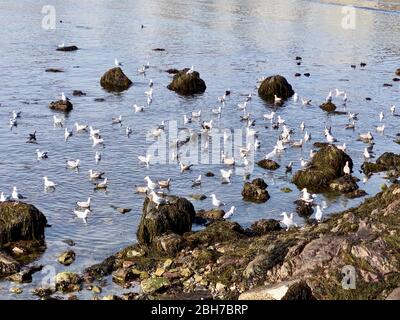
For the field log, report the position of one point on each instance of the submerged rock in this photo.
(255, 191)
(398, 72)
(187, 84)
(344, 184)
(268, 164)
(20, 221)
(115, 80)
(67, 258)
(328, 107)
(54, 70)
(176, 216)
(326, 166)
(8, 265)
(388, 161)
(61, 105)
(275, 85)
(67, 48)
(68, 282)
(78, 93)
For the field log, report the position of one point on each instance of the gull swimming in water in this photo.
(339, 93)
(329, 97)
(164, 183)
(97, 157)
(185, 167)
(228, 161)
(307, 136)
(342, 147)
(48, 184)
(73, 164)
(305, 102)
(269, 116)
(97, 141)
(80, 127)
(41, 154)
(117, 63)
(102, 185)
(330, 138)
(145, 159)
(367, 137)
(117, 120)
(128, 131)
(67, 134)
(393, 109)
(58, 121)
(196, 114)
(295, 97)
(82, 214)
(93, 175)
(84, 204)
(186, 120)
(94, 132)
(230, 213)
(304, 163)
(367, 154)
(271, 154)
(196, 182)
(381, 116)
(216, 202)
(15, 195)
(302, 126)
(138, 108)
(287, 220)
(226, 175)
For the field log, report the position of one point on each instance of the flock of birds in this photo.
(154, 189)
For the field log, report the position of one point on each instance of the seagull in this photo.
(271, 154)
(207, 125)
(32, 137)
(197, 182)
(93, 175)
(306, 196)
(128, 131)
(339, 93)
(216, 202)
(393, 109)
(330, 138)
(257, 144)
(157, 132)
(151, 83)
(217, 110)
(62, 45)
(185, 167)
(367, 154)
(84, 204)
(277, 100)
(287, 221)
(102, 185)
(342, 147)
(381, 116)
(366, 137)
(298, 144)
(97, 141)
(58, 121)
(307, 136)
(329, 97)
(80, 127)
(145, 159)
(353, 116)
(242, 106)
(318, 214)
(380, 129)
(149, 100)
(97, 157)
(228, 161)
(16, 114)
(346, 168)
(302, 126)
(196, 114)
(150, 184)
(226, 175)
(13, 123)
(94, 132)
(157, 199)
(289, 167)
(4, 198)
(186, 120)
(230, 213)
(280, 120)
(345, 98)
(117, 63)
(117, 120)
(73, 164)
(82, 214)
(164, 183)
(138, 108)
(41, 154)
(15, 195)
(63, 97)
(305, 102)
(351, 125)
(269, 116)
(304, 163)
(312, 153)
(190, 71)
(67, 134)
(149, 93)
(48, 184)
(279, 146)
(295, 97)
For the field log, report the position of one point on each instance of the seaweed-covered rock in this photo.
(115, 80)
(275, 85)
(187, 84)
(304, 208)
(61, 105)
(255, 191)
(398, 72)
(268, 164)
(265, 226)
(387, 161)
(169, 243)
(67, 48)
(156, 284)
(68, 282)
(328, 106)
(20, 221)
(326, 166)
(211, 215)
(8, 265)
(344, 184)
(176, 216)
(67, 258)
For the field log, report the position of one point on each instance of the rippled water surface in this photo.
(231, 44)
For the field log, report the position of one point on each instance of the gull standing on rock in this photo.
(287, 220)
(15, 195)
(230, 213)
(216, 202)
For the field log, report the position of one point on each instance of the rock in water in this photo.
(176, 216)
(255, 191)
(8, 265)
(275, 85)
(67, 258)
(115, 80)
(67, 48)
(61, 105)
(326, 166)
(328, 107)
(344, 184)
(268, 164)
(68, 282)
(187, 84)
(398, 72)
(20, 221)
